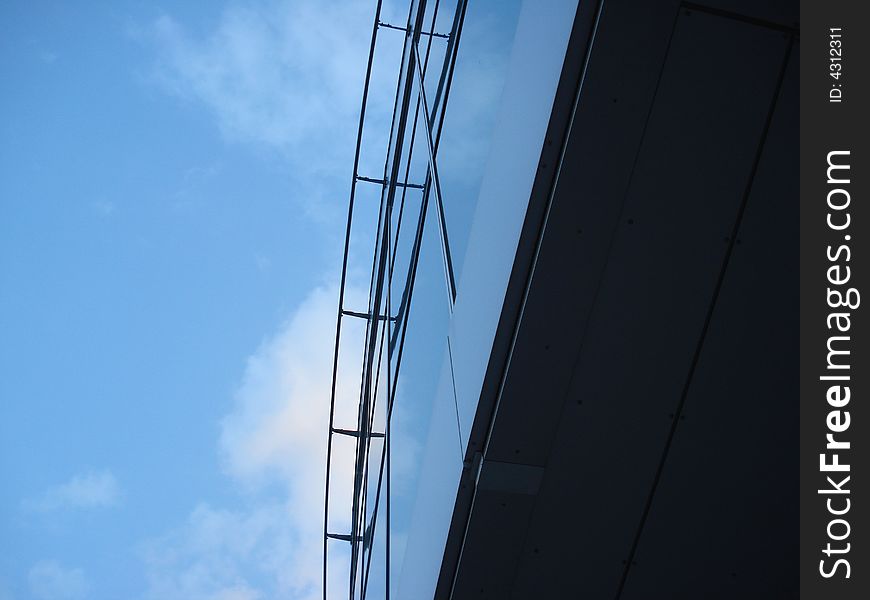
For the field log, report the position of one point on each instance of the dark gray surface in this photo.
(724, 521)
(663, 146)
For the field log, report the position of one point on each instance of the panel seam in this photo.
(710, 311)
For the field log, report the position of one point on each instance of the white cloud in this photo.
(273, 442)
(215, 553)
(278, 425)
(92, 489)
(104, 208)
(262, 262)
(49, 580)
(264, 72)
(287, 75)
(274, 438)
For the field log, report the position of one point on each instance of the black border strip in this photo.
(834, 124)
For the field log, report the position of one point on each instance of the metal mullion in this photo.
(375, 298)
(450, 53)
(365, 388)
(413, 139)
(384, 448)
(404, 190)
(360, 464)
(377, 504)
(431, 34)
(385, 192)
(436, 184)
(381, 182)
(404, 303)
(407, 294)
(444, 85)
(386, 188)
(386, 262)
(364, 393)
(425, 185)
(384, 336)
(388, 239)
(342, 287)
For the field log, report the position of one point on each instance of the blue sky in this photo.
(173, 182)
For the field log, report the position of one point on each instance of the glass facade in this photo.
(475, 89)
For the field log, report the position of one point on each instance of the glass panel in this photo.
(475, 96)
(374, 490)
(376, 570)
(540, 41)
(508, 65)
(422, 355)
(426, 444)
(433, 48)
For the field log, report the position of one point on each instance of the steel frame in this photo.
(385, 330)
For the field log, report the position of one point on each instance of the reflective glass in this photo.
(422, 353)
(503, 85)
(471, 113)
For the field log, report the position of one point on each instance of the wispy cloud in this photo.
(217, 554)
(286, 76)
(279, 73)
(48, 57)
(274, 438)
(92, 489)
(277, 429)
(262, 262)
(104, 208)
(48, 580)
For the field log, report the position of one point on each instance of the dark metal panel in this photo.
(724, 521)
(509, 477)
(512, 175)
(592, 181)
(496, 515)
(603, 446)
(538, 101)
(624, 66)
(779, 13)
